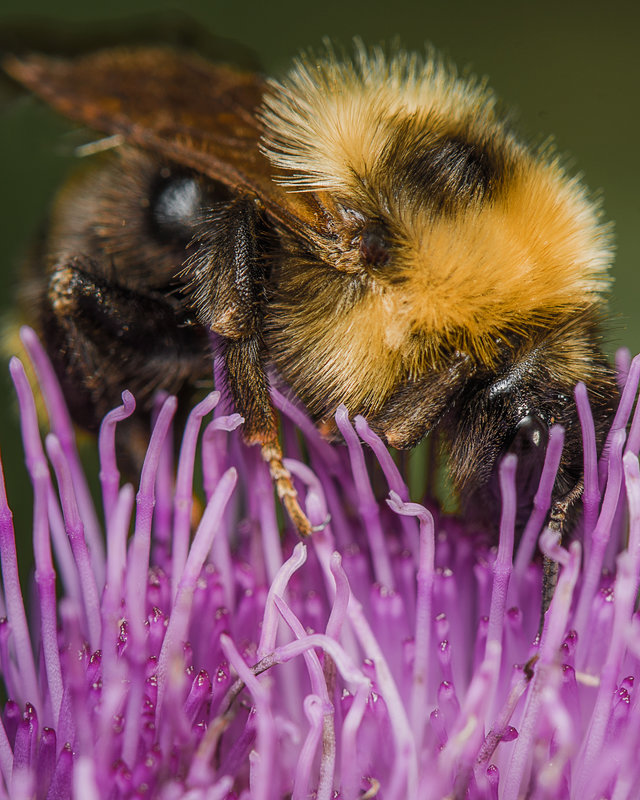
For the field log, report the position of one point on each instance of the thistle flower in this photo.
(394, 655)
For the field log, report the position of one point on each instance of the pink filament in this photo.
(421, 671)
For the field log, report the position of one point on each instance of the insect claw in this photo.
(322, 525)
(529, 667)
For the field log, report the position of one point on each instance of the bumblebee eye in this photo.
(374, 245)
(177, 201)
(175, 205)
(531, 434)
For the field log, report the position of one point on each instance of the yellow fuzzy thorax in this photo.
(531, 251)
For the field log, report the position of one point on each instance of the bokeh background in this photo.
(568, 69)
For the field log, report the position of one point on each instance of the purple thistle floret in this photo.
(393, 655)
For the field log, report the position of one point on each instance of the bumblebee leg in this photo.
(557, 518)
(419, 404)
(226, 279)
(250, 389)
(549, 583)
(104, 337)
(120, 337)
(281, 477)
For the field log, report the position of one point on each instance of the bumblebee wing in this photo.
(197, 113)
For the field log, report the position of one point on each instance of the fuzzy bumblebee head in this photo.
(463, 235)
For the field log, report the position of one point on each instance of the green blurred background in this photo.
(568, 69)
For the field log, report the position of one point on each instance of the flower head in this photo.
(392, 655)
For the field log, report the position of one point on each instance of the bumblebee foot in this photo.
(280, 475)
(549, 581)
(550, 569)
(560, 507)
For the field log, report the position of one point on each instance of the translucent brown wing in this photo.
(197, 113)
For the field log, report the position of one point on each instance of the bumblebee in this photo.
(369, 229)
